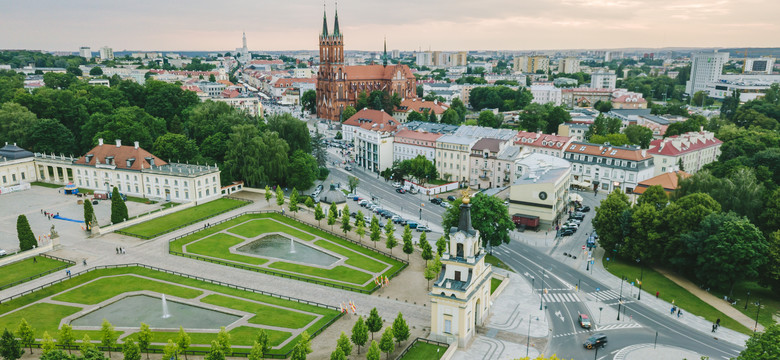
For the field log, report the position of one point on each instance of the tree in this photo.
(24, 233)
(488, 215)
(603, 106)
(309, 202)
(407, 239)
(223, 340)
(96, 71)
(400, 329)
(374, 322)
(337, 354)
(215, 351)
(699, 98)
(319, 150)
(762, 345)
(89, 213)
(243, 154)
(10, 348)
(318, 214)
(488, 119)
(118, 207)
(441, 245)
(639, 135)
(144, 338)
(427, 251)
(362, 101)
(376, 232)
(359, 333)
(373, 351)
(348, 112)
(727, 248)
(268, 194)
(131, 351)
(171, 350)
(353, 183)
(293, 205)
(613, 125)
(48, 345)
(654, 195)
(261, 346)
(608, 221)
(390, 241)
(415, 116)
(303, 170)
(279, 196)
(108, 336)
(65, 336)
(183, 341)
(332, 214)
(432, 270)
(175, 147)
(344, 344)
(86, 345)
(345, 225)
(360, 225)
(386, 343)
(302, 348)
(26, 334)
(682, 216)
(450, 116)
(309, 101)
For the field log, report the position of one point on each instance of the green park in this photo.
(167, 223)
(126, 297)
(28, 269)
(277, 245)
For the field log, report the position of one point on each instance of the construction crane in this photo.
(744, 62)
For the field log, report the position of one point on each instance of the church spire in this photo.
(384, 56)
(324, 21)
(336, 23)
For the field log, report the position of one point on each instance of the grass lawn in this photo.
(266, 315)
(355, 259)
(140, 200)
(654, 281)
(492, 260)
(108, 287)
(494, 284)
(218, 245)
(43, 184)
(25, 269)
(40, 316)
(242, 335)
(424, 351)
(770, 301)
(262, 226)
(341, 273)
(172, 221)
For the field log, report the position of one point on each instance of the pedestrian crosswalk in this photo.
(560, 297)
(605, 295)
(628, 325)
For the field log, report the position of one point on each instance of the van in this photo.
(412, 224)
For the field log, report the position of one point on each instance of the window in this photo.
(447, 326)
(23, 177)
(158, 192)
(13, 177)
(186, 194)
(4, 179)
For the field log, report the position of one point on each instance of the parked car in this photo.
(3, 253)
(571, 225)
(396, 219)
(348, 168)
(353, 214)
(583, 209)
(451, 198)
(584, 321)
(596, 340)
(362, 202)
(319, 187)
(446, 205)
(403, 222)
(423, 229)
(412, 224)
(567, 232)
(413, 191)
(396, 184)
(400, 190)
(436, 201)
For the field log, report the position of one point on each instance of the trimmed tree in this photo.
(441, 245)
(762, 345)
(374, 322)
(262, 343)
(268, 194)
(144, 338)
(294, 201)
(318, 214)
(332, 216)
(86, 345)
(360, 225)
(390, 241)
(302, 348)
(376, 232)
(359, 333)
(215, 352)
(26, 334)
(10, 348)
(407, 238)
(131, 351)
(89, 213)
(24, 233)
(373, 351)
(309, 202)
(47, 345)
(183, 341)
(223, 339)
(66, 338)
(118, 207)
(400, 329)
(345, 225)
(107, 336)
(386, 344)
(427, 251)
(344, 344)
(338, 354)
(279, 196)
(171, 350)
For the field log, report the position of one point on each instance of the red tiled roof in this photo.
(373, 120)
(418, 105)
(525, 138)
(683, 143)
(623, 153)
(194, 88)
(288, 82)
(668, 181)
(376, 72)
(120, 156)
(629, 99)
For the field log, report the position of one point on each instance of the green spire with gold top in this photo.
(336, 32)
(324, 22)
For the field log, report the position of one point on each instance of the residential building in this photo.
(537, 142)
(612, 55)
(430, 127)
(485, 132)
(762, 65)
(212, 89)
(424, 58)
(531, 64)
(688, 152)
(423, 107)
(484, 170)
(669, 181)
(603, 79)
(452, 157)
(408, 144)
(606, 167)
(540, 188)
(575, 130)
(585, 97)
(629, 101)
(569, 65)
(85, 52)
(17, 166)
(249, 105)
(106, 53)
(546, 93)
(372, 133)
(705, 68)
(460, 296)
(448, 91)
(338, 85)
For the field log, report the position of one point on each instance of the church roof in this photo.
(13, 152)
(376, 72)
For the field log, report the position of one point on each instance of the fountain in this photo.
(165, 314)
(285, 248)
(292, 246)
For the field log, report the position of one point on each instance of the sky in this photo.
(446, 25)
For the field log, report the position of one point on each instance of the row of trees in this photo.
(395, 334)
(419, 168)
(501, 97)
(607, 129)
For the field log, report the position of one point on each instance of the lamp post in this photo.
(747, 300)
(641, 277)
(600, 308)
(620, 301)
(528, 338)
(758, 309)
(541, 294)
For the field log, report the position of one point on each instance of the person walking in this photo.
(656, 294)
(717, 323)
(714, 327)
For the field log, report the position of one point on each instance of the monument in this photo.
(460, 297)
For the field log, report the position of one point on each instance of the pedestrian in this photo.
(84, 261)
(41, 211)
(673, 309)
(714, 327)
(35, 260)
(117, 250)
(656, 294)
(679, 312)
(717, 323)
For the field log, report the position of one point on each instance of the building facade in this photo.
(606, 167)
(546, 93)
(603, 79)
(452, 157)
(484, 168)
(408, 144)
(106, 53)
(569, 65)
(531, 64)
(541, 188)
(85, 52)
(372, 133)
(687, 152)
(705, 67)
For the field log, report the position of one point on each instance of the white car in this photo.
(3, 253)
(396, 184)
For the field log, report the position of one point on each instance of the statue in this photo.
(54, 234)
(465, 194)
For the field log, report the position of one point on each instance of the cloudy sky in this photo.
(408, 24)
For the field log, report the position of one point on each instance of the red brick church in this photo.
(339, 85)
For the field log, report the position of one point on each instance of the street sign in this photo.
(583, 247)
(607, 259)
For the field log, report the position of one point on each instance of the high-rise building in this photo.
(531, 64)
(85, 52)
(106, 53)
(423, 58)
(760, 65)
(705, 67)
(569, 65)
(603, 79)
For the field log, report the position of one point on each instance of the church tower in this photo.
(460, 297)
(331, 78)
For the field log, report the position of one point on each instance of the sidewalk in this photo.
(651, 352)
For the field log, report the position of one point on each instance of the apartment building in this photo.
(606, 167)
(687, 152)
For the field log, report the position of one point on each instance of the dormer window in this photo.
(109, 160)
(88, 158)
(130, 162)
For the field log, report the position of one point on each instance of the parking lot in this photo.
(32, 202)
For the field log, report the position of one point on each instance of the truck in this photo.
(526, 221)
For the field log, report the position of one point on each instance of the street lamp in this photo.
(620, 301)
(421, 205)
(541, 294)
(528, 338)
(747, 300)
(641, 277)
(758, 308)
(600, 308)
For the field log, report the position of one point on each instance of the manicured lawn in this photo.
(25, 269)
(262, 226)
(492, 260)
(172, 221)
(494, 284)
(355, 259)
(770, 301)
(242, 335)
(690, 304)
(218, 245)
(341, 273)
(40, 316)
(108, 287)
(266, 315)
(424, 351)
(43, 184)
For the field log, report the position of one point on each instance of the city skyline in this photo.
(447, 25)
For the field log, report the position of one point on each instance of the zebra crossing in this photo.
(605, 295)
(560, 297)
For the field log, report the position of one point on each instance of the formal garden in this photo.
(31, 268)
(114, 305)
(167, 223)
(275, 244)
